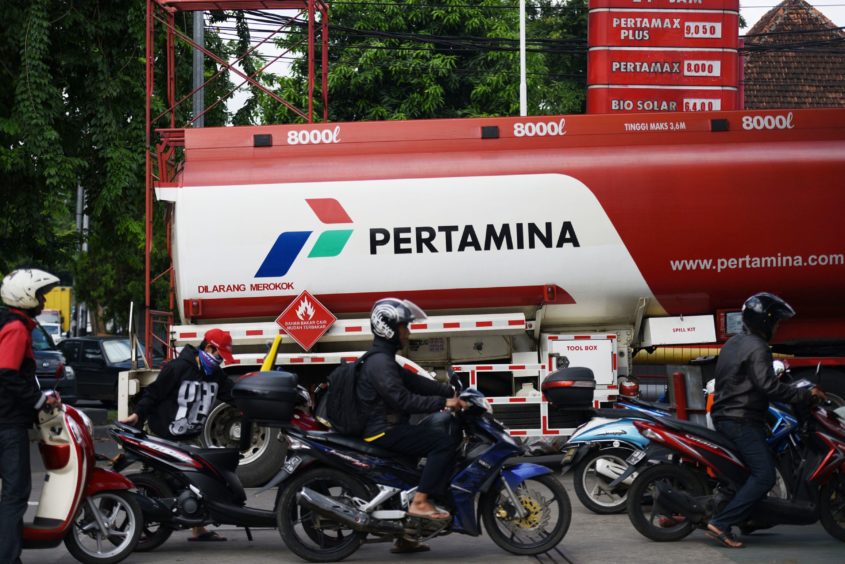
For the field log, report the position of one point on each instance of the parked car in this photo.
(54, 330)
(51, 367)
(97, 361)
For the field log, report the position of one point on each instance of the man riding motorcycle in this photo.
(390, 394)
(745, 383)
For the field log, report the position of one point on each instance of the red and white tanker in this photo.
(525, 239)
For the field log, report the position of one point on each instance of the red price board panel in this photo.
(635, 99)
(669, 67)
(663, 28)
(732, 5)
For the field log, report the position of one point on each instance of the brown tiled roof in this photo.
(790, 63)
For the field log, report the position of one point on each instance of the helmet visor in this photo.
(417, 314)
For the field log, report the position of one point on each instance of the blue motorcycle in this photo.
(599, 451)
(344, 492)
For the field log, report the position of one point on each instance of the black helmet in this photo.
(388, 313)
(762, 311)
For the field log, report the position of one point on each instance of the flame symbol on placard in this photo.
(305, 311)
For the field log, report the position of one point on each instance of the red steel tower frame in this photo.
(162, 143)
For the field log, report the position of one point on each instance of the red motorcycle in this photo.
(91, 509)
(667, 501)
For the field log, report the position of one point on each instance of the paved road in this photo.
(591, 539)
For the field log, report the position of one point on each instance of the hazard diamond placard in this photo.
(306, 320)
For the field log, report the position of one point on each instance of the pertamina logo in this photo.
(419, 239)
(306, 320)
(289, 244)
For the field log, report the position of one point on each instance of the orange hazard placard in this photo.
(306, 320)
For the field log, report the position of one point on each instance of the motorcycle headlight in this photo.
(69, 373)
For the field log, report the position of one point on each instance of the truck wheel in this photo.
(265, 454)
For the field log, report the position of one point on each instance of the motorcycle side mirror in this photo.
(455, 381)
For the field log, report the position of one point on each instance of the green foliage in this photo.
(440, 59)
(72, 114)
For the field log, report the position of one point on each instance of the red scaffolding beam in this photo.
(162, 143)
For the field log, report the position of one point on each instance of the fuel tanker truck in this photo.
(531, 242)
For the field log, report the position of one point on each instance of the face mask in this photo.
(209, 363)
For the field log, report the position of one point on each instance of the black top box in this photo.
(570, 387)
(267, 397)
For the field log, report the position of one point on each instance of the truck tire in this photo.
(260, 461)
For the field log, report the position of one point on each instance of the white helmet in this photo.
(21, 287)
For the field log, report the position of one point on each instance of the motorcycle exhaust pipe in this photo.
(344, 514)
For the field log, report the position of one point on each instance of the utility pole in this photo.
(198, 68)
(523, 84)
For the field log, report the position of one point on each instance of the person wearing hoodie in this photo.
(177, 404)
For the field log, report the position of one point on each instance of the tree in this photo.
(408, 59)
(73, 115)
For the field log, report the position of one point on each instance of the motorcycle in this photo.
(344, 489)
(185, 486)
(91, 509)
(598, 452)
(668, 501)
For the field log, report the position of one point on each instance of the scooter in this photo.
(91, 509)
(345, 490)
(668, 501)
(185, 486)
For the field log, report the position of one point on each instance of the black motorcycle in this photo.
(185, 486)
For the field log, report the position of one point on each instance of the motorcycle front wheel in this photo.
(310, 536)
(645, 511)
(547, 515)
(106, 529)
(593, 475)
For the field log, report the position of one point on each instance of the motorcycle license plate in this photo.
(292, 463)
(635, 457)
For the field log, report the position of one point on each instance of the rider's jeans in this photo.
(17, 484)
(750, 439)
(439, 449)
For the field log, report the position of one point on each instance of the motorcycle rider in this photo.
(22, 292)
(391, 394)
(179, 401)
(745, 383)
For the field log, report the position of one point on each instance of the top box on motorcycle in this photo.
(570, 387)
(268, 398)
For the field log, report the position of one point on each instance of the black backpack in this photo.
(341, 406)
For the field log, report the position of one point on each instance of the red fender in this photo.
(104, 480)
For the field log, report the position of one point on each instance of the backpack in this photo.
(341, 407)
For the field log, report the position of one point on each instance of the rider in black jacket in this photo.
(745, 382)
(391, 394)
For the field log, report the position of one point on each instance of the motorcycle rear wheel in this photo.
(546, 502)
(591, 487)
(832, 507)
(122, 517)
(644, 511)
(153, 534)
(315, 538)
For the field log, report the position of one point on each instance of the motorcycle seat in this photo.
(221, 458)
(700, 431)
(646, 404)
(353, 443)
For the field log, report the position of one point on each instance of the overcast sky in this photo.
(753, 10)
